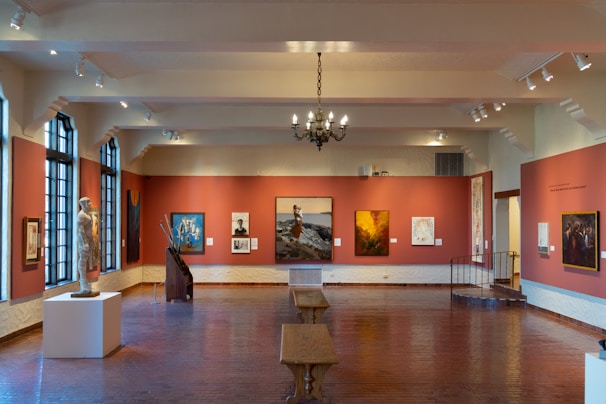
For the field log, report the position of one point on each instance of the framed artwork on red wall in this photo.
(303, 228)
(188, 232)
(580, 240)
(32, 251)
(372, 232)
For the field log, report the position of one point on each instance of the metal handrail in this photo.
(478, 270)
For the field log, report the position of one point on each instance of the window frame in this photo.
(109, 234)
(59, 139)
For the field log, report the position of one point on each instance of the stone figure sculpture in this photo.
(85, 248)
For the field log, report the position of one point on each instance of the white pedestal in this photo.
(84, 327)
(595, 369)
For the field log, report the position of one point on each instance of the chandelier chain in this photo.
(319, 77)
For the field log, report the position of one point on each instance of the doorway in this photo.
(508, 232)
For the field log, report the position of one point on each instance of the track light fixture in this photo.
(100, 81)
(482, 111)
(148, 115)
(124, 104)
(497, 106)
(171, 134)
(18, 18)
(441, 135)
(581, 60)
(475, 116)
(547, 76)
(80, 69)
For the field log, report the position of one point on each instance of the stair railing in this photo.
(482, 270)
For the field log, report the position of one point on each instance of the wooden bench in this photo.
(311, 304)
(308, 352)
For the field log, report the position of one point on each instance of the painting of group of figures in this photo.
(579, 240)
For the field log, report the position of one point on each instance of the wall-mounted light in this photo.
(441, 135)
(124, 104)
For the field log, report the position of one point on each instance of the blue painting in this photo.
(188, 232)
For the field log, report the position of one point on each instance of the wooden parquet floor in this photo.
(395, 345)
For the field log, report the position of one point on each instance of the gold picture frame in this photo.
(32, 248)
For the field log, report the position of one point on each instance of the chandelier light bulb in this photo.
(295, 120)
(344, 120)
(310, 115)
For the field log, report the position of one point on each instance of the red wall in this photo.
(445, 198)
(28, 200)
(569, 182)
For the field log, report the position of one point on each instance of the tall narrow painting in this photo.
(372, 232)
(133, 226)
(303, 228)
(477, 219)
(579, 240)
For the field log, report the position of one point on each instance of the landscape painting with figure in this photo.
(303, 228)
(372, 232)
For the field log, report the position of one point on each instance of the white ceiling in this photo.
(224, 71)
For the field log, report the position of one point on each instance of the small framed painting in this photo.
(32, 251)
(239, 224)
(240, 245)
(188, 232)
(422, 230)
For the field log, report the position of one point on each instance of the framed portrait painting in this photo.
(240, 225)
(303, 228)
(32, 250)
(579, 240)
(188, 232)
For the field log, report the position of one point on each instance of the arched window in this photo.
(59, 200)
(109, 205)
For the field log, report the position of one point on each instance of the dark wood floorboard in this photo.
(395, 345)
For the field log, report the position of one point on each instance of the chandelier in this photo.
(318, 128)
